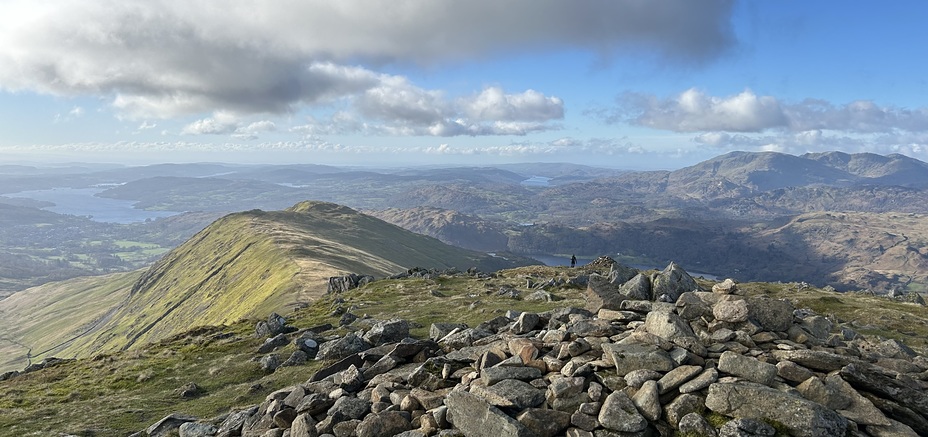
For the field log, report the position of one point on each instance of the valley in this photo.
(821, 218)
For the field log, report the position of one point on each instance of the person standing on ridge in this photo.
(573, 261)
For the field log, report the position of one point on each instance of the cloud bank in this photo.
(695, 111)
(168, 58)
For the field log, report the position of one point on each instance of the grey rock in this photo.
(525, 323)
(544, 423)
(510, 393)
(814, 389)
(875, 379)
(816, 325)
(747, 367)
(385, 424)
(591, 328)
(681, 406)
(619, 414)
(694, 424)
(388, 331)
(314, 403)
(232, 425)
(343, 347)
(672, 282)
(620, 274)
(474, 417)
(667, 325)
(637, 288)
(636, 378)
(747, 428)
(584, 421)
(814, 359)
(169, 423)
(634, 356)
(728, 286)
(647, 400)
(197, 429)
(801, 416)
(791, 371)
(346, 428)
(676, 377)
(895, 429)
(349, 379)
(602, 294)
(273, 343)
(859, 408)
(297, 358)
(269, 363)
(439, 330)
(731, 311)
(346, 408)
(303, 426)
(701, 381)
(492, 375)
(771, 314)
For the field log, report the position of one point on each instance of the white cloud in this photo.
(494, 104)
(165, 58)
(147, 125)
(399, 108)
(219, 124)
(695, 111)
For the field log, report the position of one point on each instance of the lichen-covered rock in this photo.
(620, 414)
(802, 417)
(477, 418)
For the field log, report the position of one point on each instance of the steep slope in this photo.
(250, 264)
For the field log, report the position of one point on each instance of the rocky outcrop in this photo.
(609, 290)
(644, 368)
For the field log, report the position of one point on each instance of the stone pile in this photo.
(751, 366)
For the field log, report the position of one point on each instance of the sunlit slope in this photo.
(252, 263)
(43, 320)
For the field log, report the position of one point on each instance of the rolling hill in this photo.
(244, 265)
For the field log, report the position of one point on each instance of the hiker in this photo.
(573, 260)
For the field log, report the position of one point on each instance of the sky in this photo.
(638, 84)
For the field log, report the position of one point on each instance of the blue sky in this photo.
(634, 84)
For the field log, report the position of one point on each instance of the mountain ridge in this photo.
(253, 263)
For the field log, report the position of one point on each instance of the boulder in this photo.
(619, 413)
(771, 314)
(670, 283)
(667, 325)
(638, 288)
(747, 367)
(634, 356)
(344, 347)
(544, 422)
(475, 417)
(388, 331)
(602, 294)
(731, 311)
(802, 417)
(168, 424)
(727, 286)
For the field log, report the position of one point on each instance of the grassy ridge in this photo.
(244, 265)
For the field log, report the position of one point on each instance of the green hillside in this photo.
(244, 265)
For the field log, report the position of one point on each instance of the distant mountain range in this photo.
(735, 205)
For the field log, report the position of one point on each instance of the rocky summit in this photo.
(679, 362)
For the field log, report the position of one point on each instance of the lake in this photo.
(85, 202)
